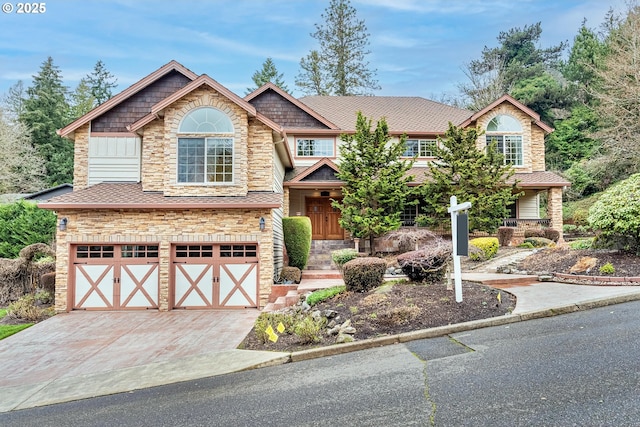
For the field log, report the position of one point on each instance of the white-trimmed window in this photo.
(205, 147)
(315, 147)
(506, 132)
(420, 148)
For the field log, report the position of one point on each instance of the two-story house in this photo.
(180, 185)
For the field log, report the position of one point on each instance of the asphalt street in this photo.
(578, 369)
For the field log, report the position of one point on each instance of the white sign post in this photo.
(454, 208)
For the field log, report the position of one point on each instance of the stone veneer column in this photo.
(554, 209)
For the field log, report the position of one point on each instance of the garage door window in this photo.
(238, 251)
(139, 251)
(194, 251)
(94, 252)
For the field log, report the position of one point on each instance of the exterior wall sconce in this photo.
(62, 226)
(263, 223)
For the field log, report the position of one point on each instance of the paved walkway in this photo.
(85, 354)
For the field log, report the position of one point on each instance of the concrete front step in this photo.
(321, 274)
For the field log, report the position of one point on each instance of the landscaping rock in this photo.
(344, 338)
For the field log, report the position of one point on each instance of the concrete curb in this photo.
(440, 331)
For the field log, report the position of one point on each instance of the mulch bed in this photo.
(560, 260)
(397, 309)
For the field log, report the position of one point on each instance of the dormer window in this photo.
(506, 132)
(205, 147)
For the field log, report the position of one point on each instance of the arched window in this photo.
(208, 157)
(506, 132)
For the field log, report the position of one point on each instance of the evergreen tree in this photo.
(585, 56)
(101, 82)
(340, 61)
(82, 101)
(375, 188)
(472, 175)
(45, 111)
(518, 67)
(312, 79)
(268, 73)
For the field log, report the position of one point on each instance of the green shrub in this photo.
(505, 234)
(533, 232)
(324, 294)
(617, 213)
(488, 246)
(265, 320)
(569, 228)
(290, 275)
(297, 239)
(551, 234)
(343, 256)
(580, 217)
(539, 242)
(581, 244)
(309, 330)
(608, 268)
(22, 224)
(526, 245)
(364, 274)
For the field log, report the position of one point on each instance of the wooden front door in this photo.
(324, 219)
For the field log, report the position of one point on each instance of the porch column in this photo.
(554, 209)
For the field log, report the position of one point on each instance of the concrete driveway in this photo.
(85, 353)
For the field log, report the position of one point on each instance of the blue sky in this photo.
(418, 47)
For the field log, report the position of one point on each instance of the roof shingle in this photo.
(403, 114)
(131, 196)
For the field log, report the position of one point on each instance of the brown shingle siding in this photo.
(283, 112)
(139, 105)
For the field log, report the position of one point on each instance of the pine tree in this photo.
(101, 82)
(375, 188)
(472, 175)
(45, 111)
(268, 73)
(339, 68)
(82, 101)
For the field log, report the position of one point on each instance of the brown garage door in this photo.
(215, 276)
(114, 277)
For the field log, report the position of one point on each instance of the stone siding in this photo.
(525, 121)
(81, 158)
(164, 228)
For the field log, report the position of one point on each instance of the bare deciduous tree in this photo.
(618, 90)
(21, 168)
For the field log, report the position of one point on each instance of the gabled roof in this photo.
(298, 176)
(270, 86)
(203, 80)
(413, 115)
(127, 93)
(507, 98)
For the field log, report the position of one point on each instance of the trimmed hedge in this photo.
(551, 234)
(533, 232)
(505, 234)
(487, 245)
(363, 274)
(297, 240)
(290, 274)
